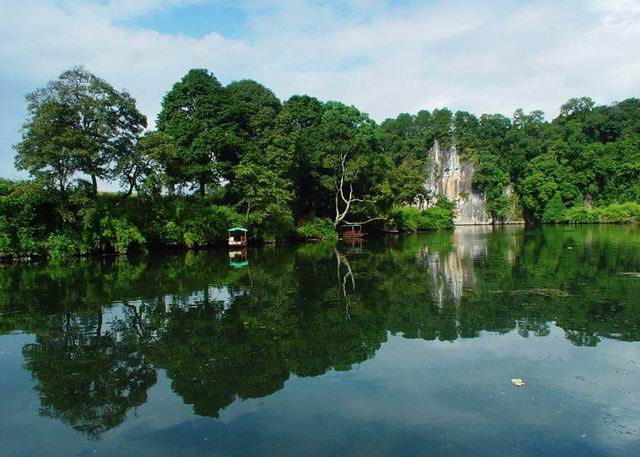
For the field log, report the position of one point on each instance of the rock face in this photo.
(451, 177)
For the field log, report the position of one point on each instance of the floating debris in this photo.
(518, 382)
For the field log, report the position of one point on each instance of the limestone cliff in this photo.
(451, 176)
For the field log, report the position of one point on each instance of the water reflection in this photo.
(103, 328)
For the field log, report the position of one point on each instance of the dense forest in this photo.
(235, 154)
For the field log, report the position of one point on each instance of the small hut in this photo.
(238, 236)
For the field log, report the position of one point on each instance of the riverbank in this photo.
(36, 223)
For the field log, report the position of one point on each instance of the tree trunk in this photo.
(202, 188)
(94, 182)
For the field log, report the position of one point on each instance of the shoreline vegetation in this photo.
(222, 156)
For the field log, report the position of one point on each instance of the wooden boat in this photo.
(351, 231)
(238, 236)
(391, 230)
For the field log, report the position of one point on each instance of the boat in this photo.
(391, 230)
(351, 231)
(238, 236)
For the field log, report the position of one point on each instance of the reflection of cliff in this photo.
(451, 176)
(453, 270)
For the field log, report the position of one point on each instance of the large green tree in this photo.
(78, 124)
(260, 181)
(305, 115)
(193, 116)
(352, 160)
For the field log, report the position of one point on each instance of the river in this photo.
(398, 345)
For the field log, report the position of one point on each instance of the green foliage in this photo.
(317, 229)
(407, 218)
(353, 163)
(491, 178)
(436, 218)
(224, 156)
(410, 219)
(171, 234)
(78, 124)
(28, 242)
(193, 120)
(197, 223)
(6, 244)
(62, 245)
(555, 210)
(119, 235)
(617, 213)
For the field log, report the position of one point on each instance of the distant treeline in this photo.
(235, 154)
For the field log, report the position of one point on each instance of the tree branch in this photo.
(365, 222)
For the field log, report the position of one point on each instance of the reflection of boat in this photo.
(238, 259)
(355, 244)
(351, 231)
(238, 236)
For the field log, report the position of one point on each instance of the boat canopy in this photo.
(238, 229)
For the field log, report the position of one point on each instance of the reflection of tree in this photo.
(222, 335)
(213, 361)
(279, 327)
(342, 279)
(86, 375)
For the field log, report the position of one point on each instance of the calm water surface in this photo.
(398, 346)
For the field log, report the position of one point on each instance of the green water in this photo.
(398, 346)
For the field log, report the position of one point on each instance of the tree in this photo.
(261, 179)
(576, 107)
(544, 177)
(352, 159)
(78, 124)
(265, 197)
(441, 124)
(554, 211)
(148, 169)
(305, 115)
(193, 117)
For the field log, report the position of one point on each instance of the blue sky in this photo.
(196, 20)
(383, 56)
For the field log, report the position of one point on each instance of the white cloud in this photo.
(491, 56)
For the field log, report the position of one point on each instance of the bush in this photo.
(6, 245)
(120, 235)
(171, 234)
(615, 213)
(63, 245)
(28, 244)
(411, 219)
(555, 210)
(436, 218)
(317, 229)
(407, 218)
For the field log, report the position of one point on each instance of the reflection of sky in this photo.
(414, 397)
